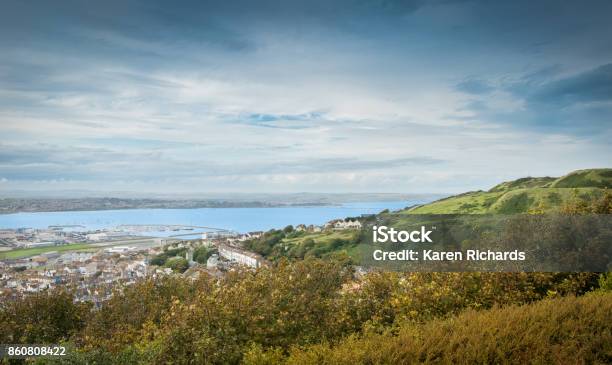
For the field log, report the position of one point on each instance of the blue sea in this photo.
(234, 219)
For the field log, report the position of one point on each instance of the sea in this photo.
(231, 219)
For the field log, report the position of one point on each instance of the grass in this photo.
(321, 237)
(519, 200)
(320, 243)
(477, 202)
(526, 182)
(598, 178)
(523, 195)
(27, 252)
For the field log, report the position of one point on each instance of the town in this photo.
(105, 260)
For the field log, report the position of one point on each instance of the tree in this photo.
(202, 253)
(177, 264)
(42, 318)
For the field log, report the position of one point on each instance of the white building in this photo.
(39, 244)
(344, 224)
(120, 249)
(239, 256)
(212, 262)
(96, 236)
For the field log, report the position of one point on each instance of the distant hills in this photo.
(18, 203)
(523, 195)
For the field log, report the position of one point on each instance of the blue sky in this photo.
(292, 96)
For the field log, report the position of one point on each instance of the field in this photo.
(26, 252)
(320, 238)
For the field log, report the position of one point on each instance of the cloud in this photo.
(594, 85)
(48, 162)
(295, 95)
(474, 86)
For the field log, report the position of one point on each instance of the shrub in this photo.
(566, 330)
(42, 318)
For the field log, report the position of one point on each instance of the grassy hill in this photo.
(518, 196)
(522, 195)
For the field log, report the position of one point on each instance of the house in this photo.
(88, 269)
(212, 261)
(239, 256)
(39, 260)
(256, 234)
(342, 224)
(97, 236)
(313, 228)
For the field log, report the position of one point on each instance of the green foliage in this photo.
(520, 202)
(177, 264)
(257, 355)
(564, 331)
(524, 195)
(265, 244)
(605, 282)
(259, 316)
(160, 259)
(580, 205)
(42, 318)
(202, 253)
(133, 313)
(526, 182)
(597, 178)
(276, 244)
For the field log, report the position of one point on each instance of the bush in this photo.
(258, 315)
(202, 253)
(42, 318)
(132, 312)
(177, 264)
(160, 259)
(566, 330)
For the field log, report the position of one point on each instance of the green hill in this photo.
(596, 178)
(541, 194)
(522, 195)
(523, 183)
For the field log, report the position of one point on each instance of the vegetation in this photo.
(598, 178)
(523, 195)
(311, 307)
(351, 244)
(298, 245)
(273, 311)
(42, 318)
(563, 331)
(162, 258)
(27, 252)
(177, 264)
(202, 253)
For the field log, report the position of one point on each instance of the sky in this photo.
(301, 96)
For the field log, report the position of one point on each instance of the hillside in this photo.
(525, 194)
(539, 194)
(309, 304)
(564, 331)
